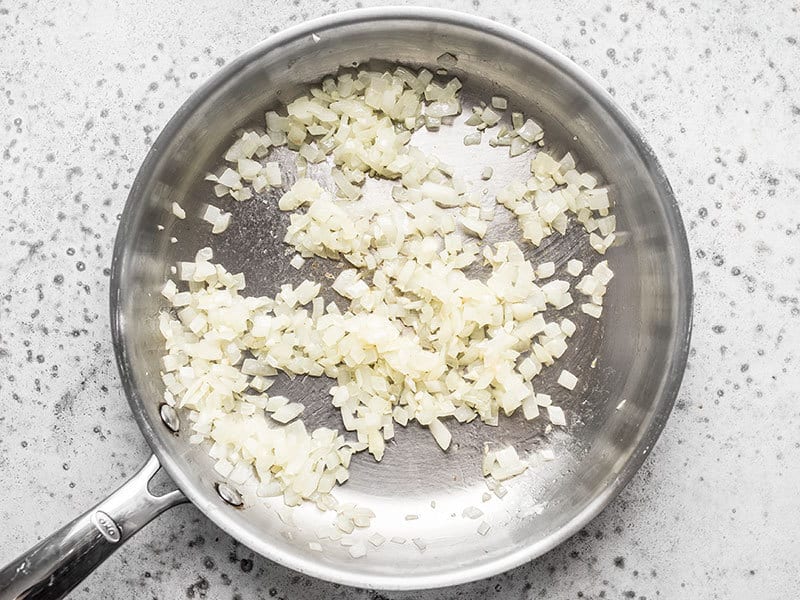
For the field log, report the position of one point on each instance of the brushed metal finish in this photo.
(641, 342)
(58, 563)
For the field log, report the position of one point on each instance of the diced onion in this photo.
(178, 211)
(499, 102)
(414, 335)
(574, 267)
(567, 380)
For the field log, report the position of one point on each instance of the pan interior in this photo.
(639, 343)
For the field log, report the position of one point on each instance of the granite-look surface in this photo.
(714, 512)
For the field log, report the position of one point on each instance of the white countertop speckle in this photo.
(714, 512)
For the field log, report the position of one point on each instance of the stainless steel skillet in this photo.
(641, 343)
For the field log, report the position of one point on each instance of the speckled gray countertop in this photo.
(714, 513)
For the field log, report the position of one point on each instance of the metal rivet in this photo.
(229, 495)
(170, 417)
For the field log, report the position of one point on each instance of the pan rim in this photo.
(672, 376)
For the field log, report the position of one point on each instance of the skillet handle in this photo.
(61, 561)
